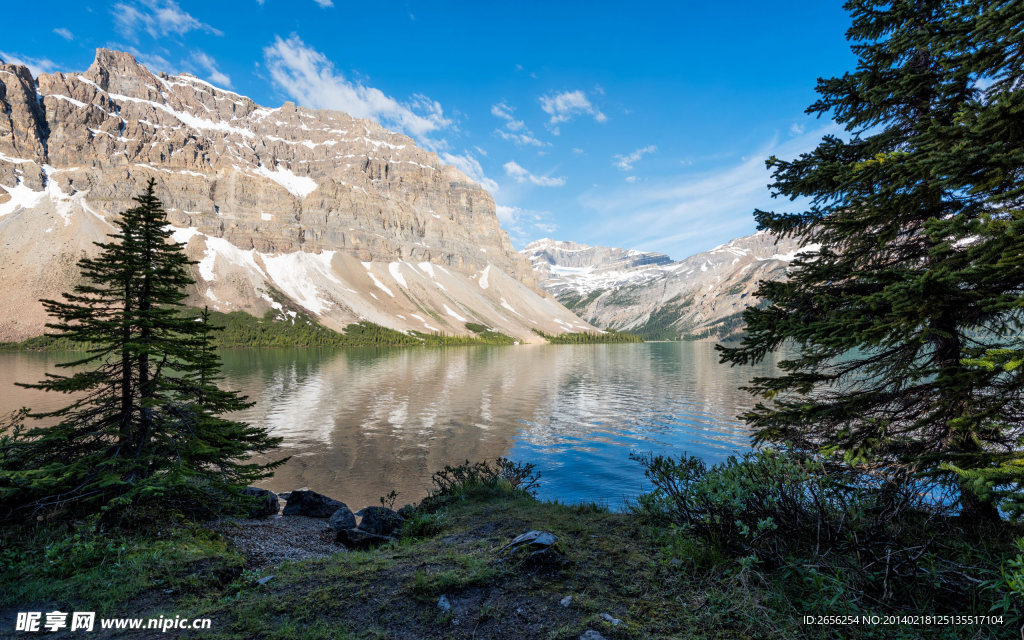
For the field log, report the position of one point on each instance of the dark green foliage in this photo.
(144, 430)
(503, 477)
(240, 329)
(572, 300)
(589, 337)
(663, 323)
(876, 539)
(919, 214)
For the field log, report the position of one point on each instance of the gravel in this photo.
(273, 540)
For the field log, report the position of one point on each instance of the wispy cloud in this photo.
(158, 18)
(525, 225)
(469, 165)
(515, 130)
(686, 213)
(64, 33)
(564, 106)
(519, 174)
(324, 3)
(307, 76)
(35, 65)
(212, 72)
(626, 162)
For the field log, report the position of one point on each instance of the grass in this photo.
(660, 581)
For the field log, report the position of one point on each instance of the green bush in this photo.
(502, 478)
(831, 533)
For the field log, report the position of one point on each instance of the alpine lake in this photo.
(361, 422)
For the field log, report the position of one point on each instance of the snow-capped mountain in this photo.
(650, 294)
(283, 208)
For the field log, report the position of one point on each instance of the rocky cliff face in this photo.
(647, 293)
(282, 208)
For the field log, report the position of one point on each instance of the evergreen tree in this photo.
(910, 286)
(143, 428)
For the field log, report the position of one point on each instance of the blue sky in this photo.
(639, 125)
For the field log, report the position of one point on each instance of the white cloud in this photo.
(563, 107)
(521, 139)
(64, 33)
(630, 178)
(681, 215)
(515, 130)
(470, 166)
(796, 129)
(35, 65)
(159, 18)
(212, 72)
(519, 174)
(308, 77)
(525, 225)
(324, 3)
(626, 162)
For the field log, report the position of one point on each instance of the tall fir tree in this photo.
(144, 425)
(905, 310)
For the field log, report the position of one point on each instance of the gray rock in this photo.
(443, 603)
(311, 504)
(533, 540)
(607, 617)
(342, 518)
(359, 539)
(265, 580)
(566, 601)
(266, 504)
(379, 520)
(590, 634)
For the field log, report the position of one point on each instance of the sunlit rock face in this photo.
(285, 208)
(699, 297)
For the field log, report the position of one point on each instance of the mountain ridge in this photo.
(699, 297)
(337, 215)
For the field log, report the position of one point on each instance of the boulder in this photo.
(266, 503)
(311, 504)
(380, 520)
(359, 539)
(342, 518)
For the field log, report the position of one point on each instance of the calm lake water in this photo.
(361, 422)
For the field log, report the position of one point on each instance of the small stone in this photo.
(534, 540)
(607, 617)
(443, 603)
(590, 634)
(265, 580)
(566, 601)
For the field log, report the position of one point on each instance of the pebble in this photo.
(271, 541)
(566, 601)
(590, 634)
(443, 603)
(607, 617)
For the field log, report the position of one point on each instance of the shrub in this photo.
(503, 477)
(882, 536)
